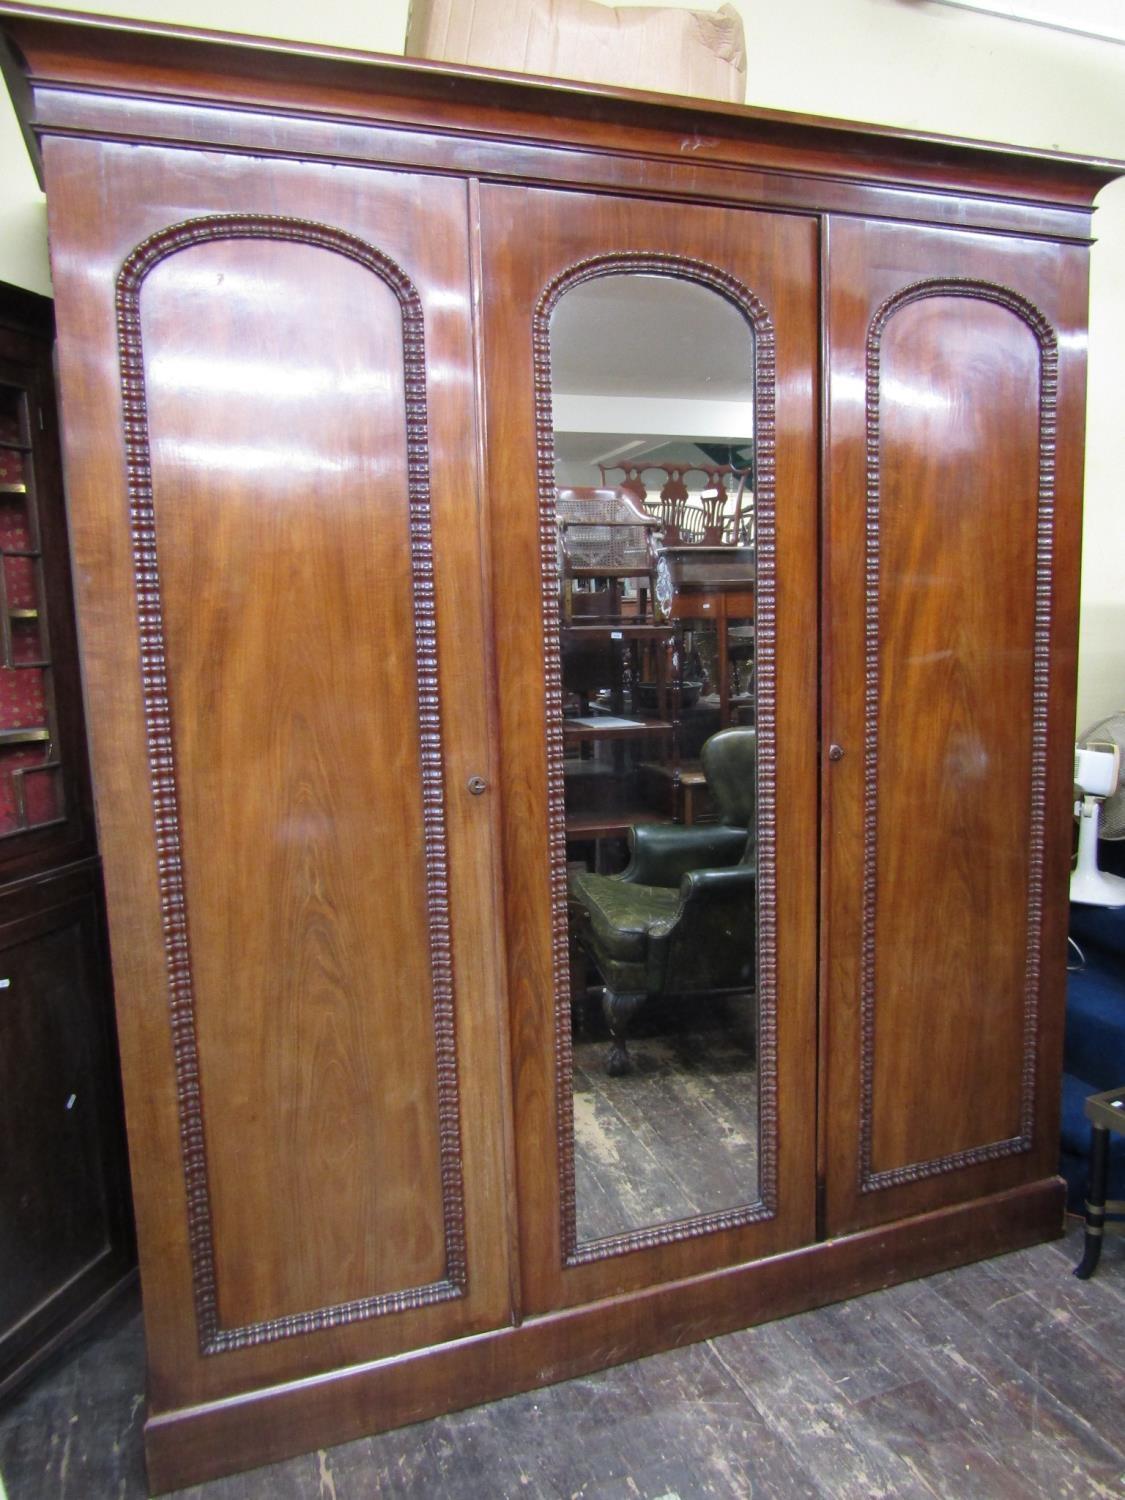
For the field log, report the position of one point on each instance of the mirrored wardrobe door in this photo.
(653, 486)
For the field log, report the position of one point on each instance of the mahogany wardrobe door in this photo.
(283, 626)
(956, 386)
(589, 301)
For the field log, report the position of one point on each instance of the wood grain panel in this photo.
(283, 545)
(348, 228)
(950, 534)
(953, 565)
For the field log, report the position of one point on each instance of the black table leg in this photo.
(1095, 1203)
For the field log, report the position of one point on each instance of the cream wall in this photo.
(910, 63)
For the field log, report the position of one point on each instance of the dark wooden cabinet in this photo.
(66, 1237)
(305, 305)
(66, 1245)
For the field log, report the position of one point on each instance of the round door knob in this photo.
(835, 752)
(477, 785)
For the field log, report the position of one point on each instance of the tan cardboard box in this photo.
(664, 48)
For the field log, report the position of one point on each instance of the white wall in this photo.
(910, 63)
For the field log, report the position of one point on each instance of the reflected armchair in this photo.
(680, 918)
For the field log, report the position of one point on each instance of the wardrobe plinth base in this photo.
(193, 1444)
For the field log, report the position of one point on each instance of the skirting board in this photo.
(194, 1444)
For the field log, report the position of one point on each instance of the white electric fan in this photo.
(1100, 809)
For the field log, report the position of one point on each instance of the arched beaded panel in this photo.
(869, 1180)
(764, 1206)
(162, 769)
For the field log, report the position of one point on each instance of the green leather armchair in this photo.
(680, 918)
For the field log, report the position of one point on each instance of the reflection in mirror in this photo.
(652, 392)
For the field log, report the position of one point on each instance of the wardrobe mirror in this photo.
(652, 399)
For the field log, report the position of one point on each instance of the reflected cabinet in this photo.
(578, 602)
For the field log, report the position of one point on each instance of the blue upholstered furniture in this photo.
(1094, 1056)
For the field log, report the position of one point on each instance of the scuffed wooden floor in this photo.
(1004, 1379)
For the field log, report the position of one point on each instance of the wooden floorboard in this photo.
(998, 1381)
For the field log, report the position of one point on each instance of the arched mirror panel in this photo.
(653, 380)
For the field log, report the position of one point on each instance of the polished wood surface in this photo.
(285, 565)
(296, 1075)
(529, 146)
(529, 239)
(337, 963)
(190, 1446)
(953, 724)
(950, 557)
(532, 128)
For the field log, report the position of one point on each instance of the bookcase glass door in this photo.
(31, 786)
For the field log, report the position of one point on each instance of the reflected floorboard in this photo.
(676, 1137)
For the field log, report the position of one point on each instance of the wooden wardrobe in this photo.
(304, 305)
